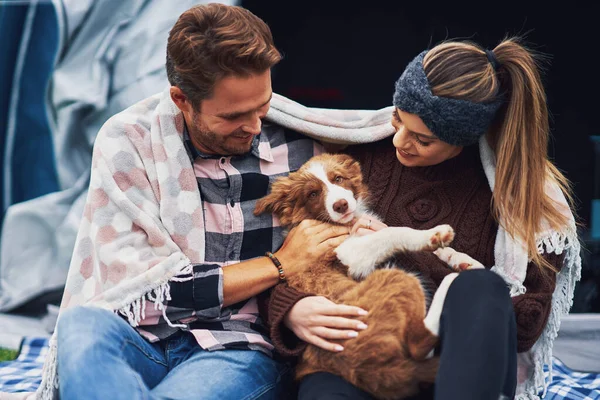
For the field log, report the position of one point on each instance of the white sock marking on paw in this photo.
(454, 258)
(432, 319)
(439, 236)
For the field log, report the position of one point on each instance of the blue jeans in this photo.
(100, 356)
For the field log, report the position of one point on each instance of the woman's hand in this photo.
(316, 320)
(366, 225)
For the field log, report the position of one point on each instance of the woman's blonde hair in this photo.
(519, 135)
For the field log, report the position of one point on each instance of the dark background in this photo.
(342, 54)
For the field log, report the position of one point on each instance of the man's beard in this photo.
(219, 144)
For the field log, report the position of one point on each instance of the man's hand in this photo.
(307, 243)
(316, 319)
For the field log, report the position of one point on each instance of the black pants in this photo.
(478, 351)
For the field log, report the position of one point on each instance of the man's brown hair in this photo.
(211, 41)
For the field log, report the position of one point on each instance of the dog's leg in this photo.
(432, 319)
(456, 260)
(361, 254)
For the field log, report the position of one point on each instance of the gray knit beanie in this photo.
(457, 122)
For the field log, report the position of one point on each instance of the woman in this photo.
(466, 119)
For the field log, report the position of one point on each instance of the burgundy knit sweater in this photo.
(455, 192)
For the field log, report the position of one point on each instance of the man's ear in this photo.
(180, 99)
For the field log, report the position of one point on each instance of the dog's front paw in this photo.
(439, 237)
(456, 260)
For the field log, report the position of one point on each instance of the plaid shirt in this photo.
(229, 188)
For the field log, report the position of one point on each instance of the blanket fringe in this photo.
(555, 242)
(49, 386)
(562, 300)
(527, 396)
(186, 274)
(136, 310)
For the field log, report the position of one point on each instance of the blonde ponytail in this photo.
(520, 140)
(519, 134)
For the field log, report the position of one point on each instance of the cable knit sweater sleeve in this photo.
(273, 307)
(532, 309)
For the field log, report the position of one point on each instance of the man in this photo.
(161, 298)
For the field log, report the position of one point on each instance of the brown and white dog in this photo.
(392, 356)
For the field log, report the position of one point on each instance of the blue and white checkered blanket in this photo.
(571, 385)
(25, 374)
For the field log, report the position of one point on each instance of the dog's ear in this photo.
(343, 158)
(349, 163)
(274, 201)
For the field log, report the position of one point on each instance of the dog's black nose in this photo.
(340, 206)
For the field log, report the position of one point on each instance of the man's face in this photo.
(228, 122)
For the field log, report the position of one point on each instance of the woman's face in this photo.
(416, 145)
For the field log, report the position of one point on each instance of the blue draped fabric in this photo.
(26, 64)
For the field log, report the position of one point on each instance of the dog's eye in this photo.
(312, 195)
(338, 179)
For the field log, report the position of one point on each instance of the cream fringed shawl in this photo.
(131, 241)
